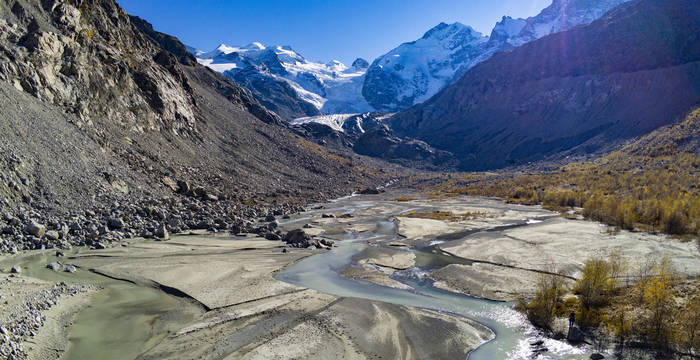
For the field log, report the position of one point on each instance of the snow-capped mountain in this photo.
(294, 87)
(415, 71)
(328, 88)
(561, 15)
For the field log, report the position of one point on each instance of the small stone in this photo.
(16, 270)
(54, 266)
(183, 187)
(270, 218)
(52, 235)
(70, 269)
(273, 237)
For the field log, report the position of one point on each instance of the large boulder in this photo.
(36, 229)
(115, 223)
(299, 239)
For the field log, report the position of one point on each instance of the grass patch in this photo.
(444, 215)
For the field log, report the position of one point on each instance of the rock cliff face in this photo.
(619, 77)
(99, 107)
(91, 61)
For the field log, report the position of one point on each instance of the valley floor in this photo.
(200, 295)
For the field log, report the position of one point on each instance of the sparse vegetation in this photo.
(651, 185)
(658, 311)
(444, 215)
(548, 302)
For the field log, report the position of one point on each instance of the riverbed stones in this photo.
(52, 235)
(16, 270)
(369, 191)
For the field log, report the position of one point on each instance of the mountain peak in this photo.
(254, 46)
(360, 63)
(443, 30)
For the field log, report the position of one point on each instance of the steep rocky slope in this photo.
(650, 184)
(415, 71)
(624, 75)
(101, 113)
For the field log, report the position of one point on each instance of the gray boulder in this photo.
(35, 229)
(115, 223)
(52, 235)
(299, 239)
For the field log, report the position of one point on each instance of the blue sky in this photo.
(320, 30)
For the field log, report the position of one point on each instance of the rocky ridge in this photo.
(104, 117)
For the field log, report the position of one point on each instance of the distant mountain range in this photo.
(415, 71)
(289, 84)
(293, 87)
(622, 76)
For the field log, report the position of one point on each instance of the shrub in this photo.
(542, 310)
(598, 283)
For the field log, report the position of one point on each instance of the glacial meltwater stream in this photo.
(513, 334)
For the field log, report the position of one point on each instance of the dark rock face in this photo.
(622, 76)
(382, 143)
(92, 61)
(167, 42)
(360, 63)
(275, 95)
